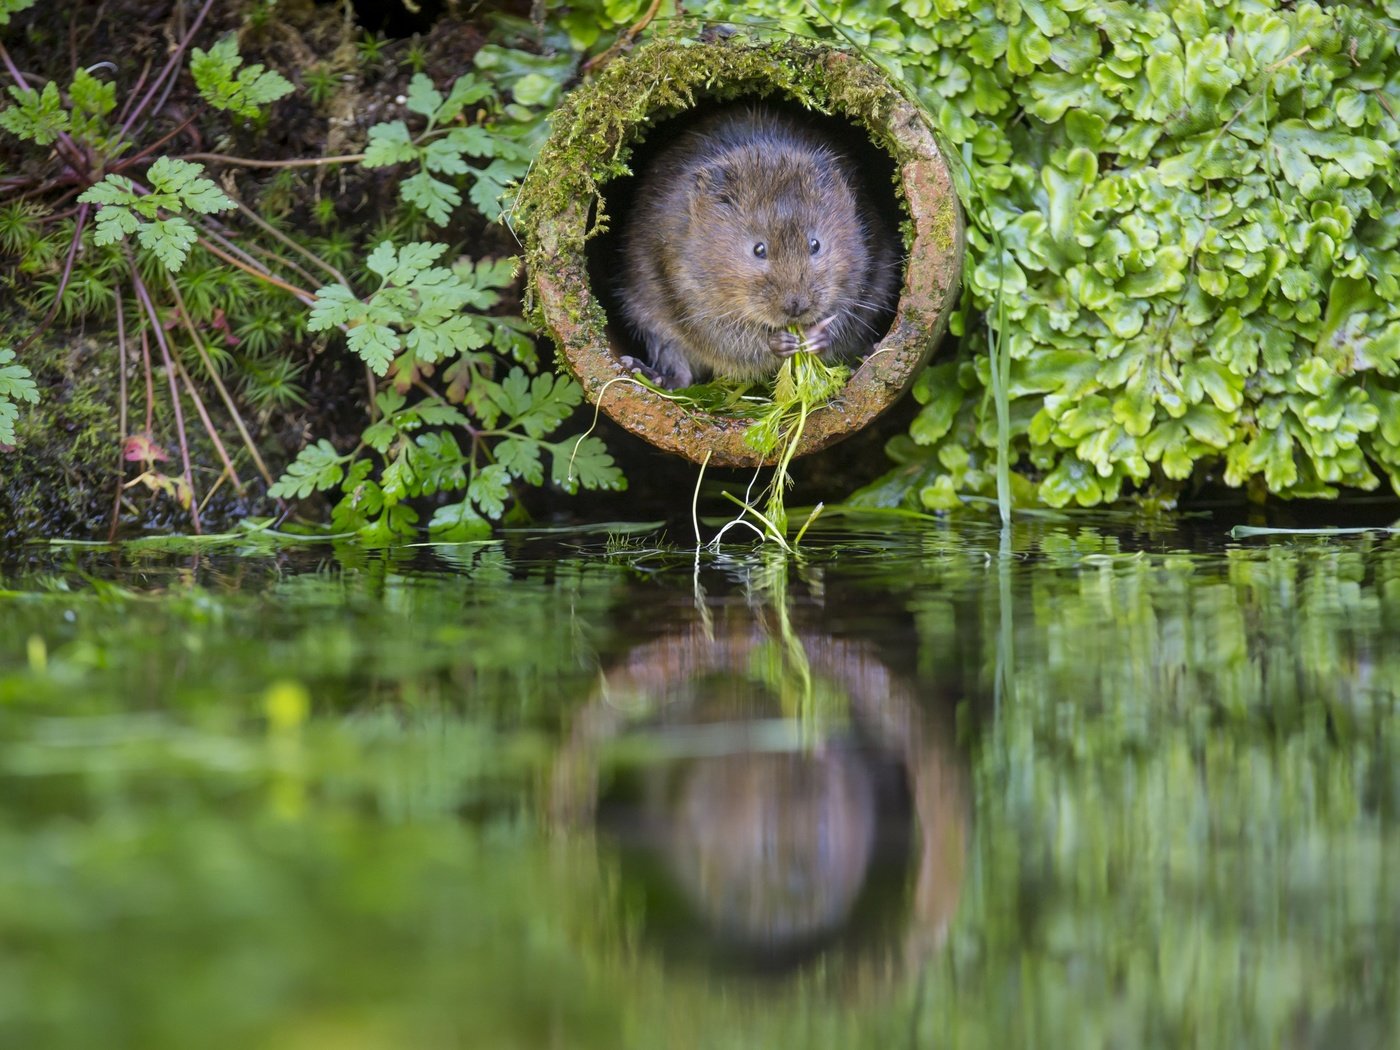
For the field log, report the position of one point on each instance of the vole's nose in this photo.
(797, 305)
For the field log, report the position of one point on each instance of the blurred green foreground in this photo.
(1102, 787)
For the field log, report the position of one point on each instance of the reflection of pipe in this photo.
(665, 682)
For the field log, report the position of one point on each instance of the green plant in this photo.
(804, 382)
(443, 150)
(81, 256)
(1181, 230)
(371, 49)
(243, 92)
(321, 83)
(459, 367)
(416, 57)
(175, 186)
(9, 8)
(15, 385)
(420, 319)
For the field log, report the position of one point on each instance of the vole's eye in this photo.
(814, 246)
(761, 250)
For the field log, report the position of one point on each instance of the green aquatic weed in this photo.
(804, 383)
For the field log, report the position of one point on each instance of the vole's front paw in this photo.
(668, 380)
(784, 343)
(639, 367)
(818, 336)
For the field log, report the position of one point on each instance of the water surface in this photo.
(1088, 785)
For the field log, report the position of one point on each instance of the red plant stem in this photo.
(244, 261)
(272, 231)
(171, 64)
(150, 382)
(135, 90)
(258, 271)
(170, 372)
(121, 417)
(127, 162)
(204, 418)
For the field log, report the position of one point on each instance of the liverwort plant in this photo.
(1182, 229)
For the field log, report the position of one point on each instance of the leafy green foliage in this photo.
(13, 7)
(15, 385)
(502, 144)
(420, 318)
(433, 328)
(317, 467)
(444, 154)
(93, 100)
(40, 116)
(1183, 217)
(420, 447)
(176, 185)
(418, 309)
(243, 92)
(37, 116)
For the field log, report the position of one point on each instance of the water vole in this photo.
(749, 223)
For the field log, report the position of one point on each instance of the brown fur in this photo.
(694, 289)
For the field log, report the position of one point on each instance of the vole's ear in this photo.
(716, 182)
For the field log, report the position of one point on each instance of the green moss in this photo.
(51, 479)
(60, 479)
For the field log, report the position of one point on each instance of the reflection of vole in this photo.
(749, 224)
(773, 848)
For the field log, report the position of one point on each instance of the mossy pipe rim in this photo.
(594, 130)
